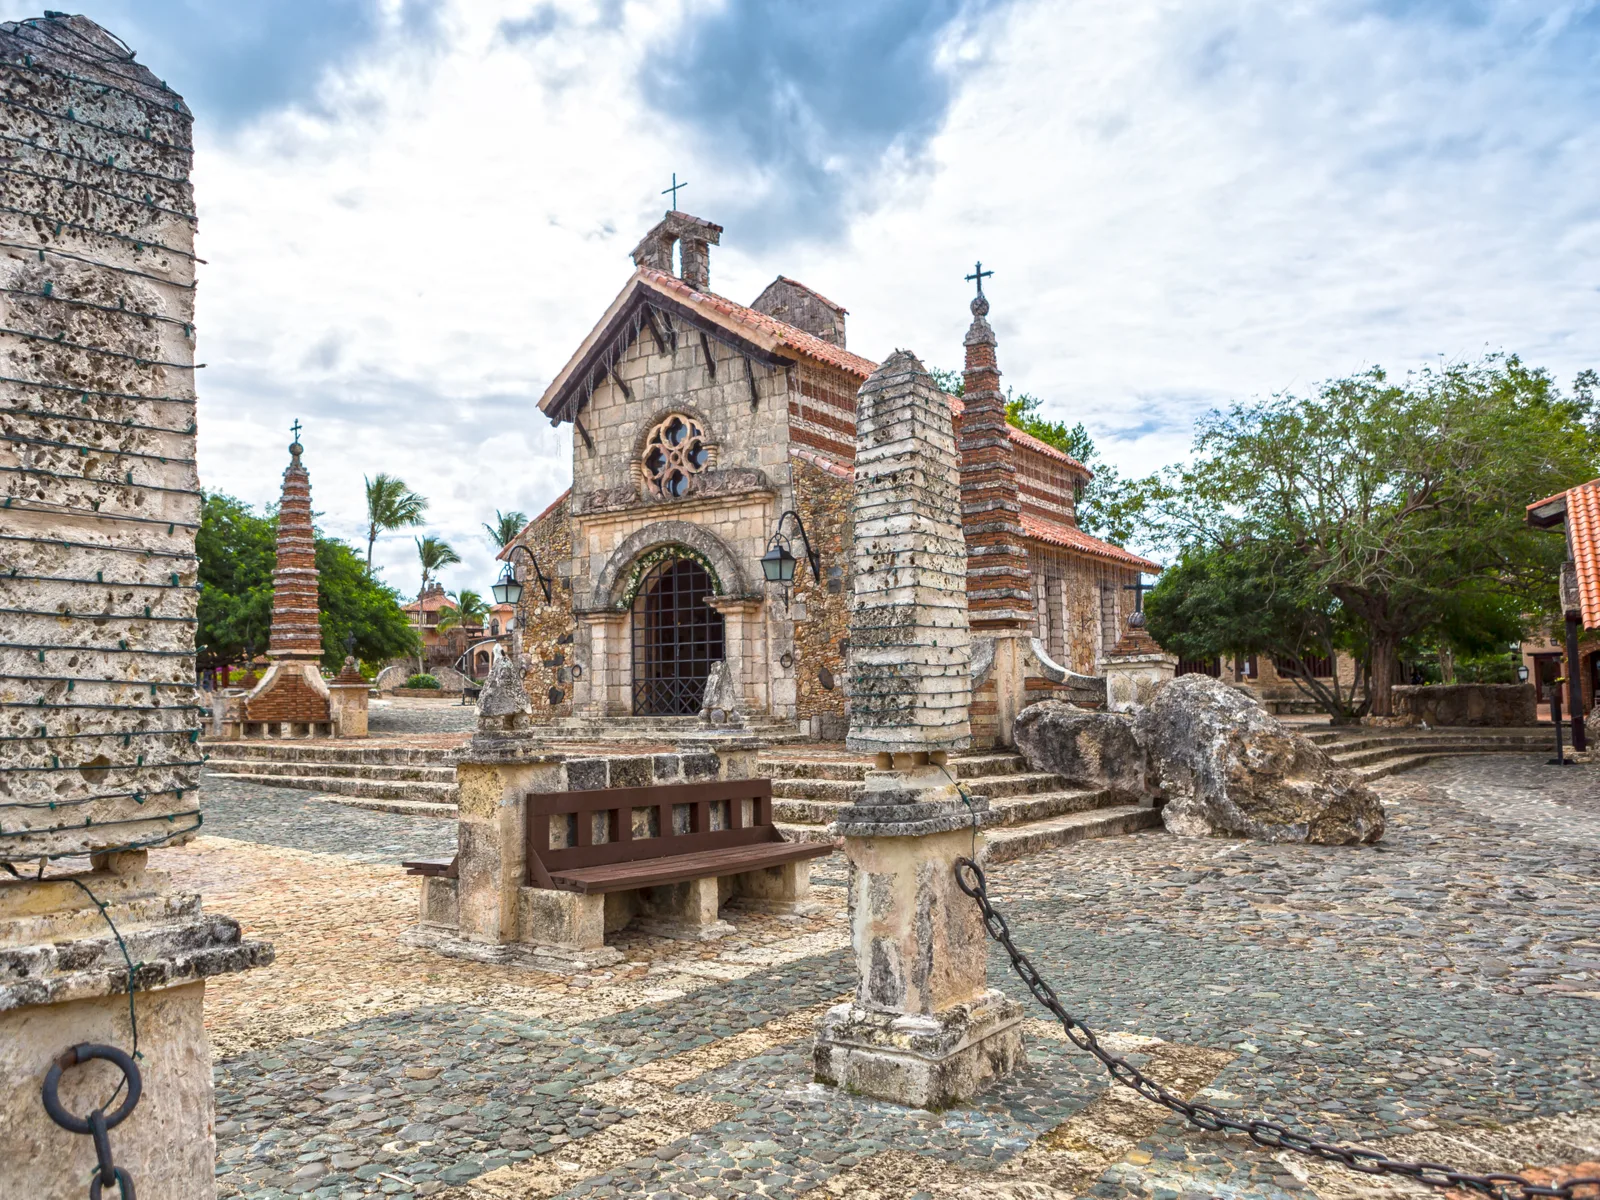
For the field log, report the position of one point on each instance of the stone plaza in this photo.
(1436, 996)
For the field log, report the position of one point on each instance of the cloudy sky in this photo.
(414, 210)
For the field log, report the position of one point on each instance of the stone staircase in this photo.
(1375, 753)
(1036, 810)
(395, 779)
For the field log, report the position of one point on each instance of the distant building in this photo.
(465, 648)
(1574, 650)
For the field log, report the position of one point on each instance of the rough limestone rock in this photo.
(1229, 768)
(1090, 749)
(721, 704)
(503, 703)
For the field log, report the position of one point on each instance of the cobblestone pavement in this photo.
(1437, 995)
(246, 811)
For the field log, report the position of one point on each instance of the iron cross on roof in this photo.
(979, 274)
(1138, 587)
(674, 190)
(295, 429)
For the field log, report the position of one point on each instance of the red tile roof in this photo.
(1057, 534)
(784, 334)
(1583, 535)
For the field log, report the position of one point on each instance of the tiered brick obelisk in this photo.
(98, 711)
(924, 1029)
(998, 581)
(292, 698)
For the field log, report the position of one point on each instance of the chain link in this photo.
(971, 880)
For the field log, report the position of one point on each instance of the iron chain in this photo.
(97, 1123)
(971, 880)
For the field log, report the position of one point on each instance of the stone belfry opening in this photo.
(691, 238)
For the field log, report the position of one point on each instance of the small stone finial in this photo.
(980, 305)
(351, 673)
(503, 705)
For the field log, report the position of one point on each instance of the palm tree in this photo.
(390, 505)
(469, 610)
(435, 554)
(506, 526)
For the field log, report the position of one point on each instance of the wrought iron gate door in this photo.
(676, 638)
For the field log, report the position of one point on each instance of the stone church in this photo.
(698, 425)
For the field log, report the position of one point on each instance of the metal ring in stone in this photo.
(83, 1053)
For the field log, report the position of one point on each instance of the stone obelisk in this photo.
(924, 1028)
(292, 697)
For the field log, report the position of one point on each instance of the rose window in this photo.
(675, 451)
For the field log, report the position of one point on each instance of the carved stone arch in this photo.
(613, 590)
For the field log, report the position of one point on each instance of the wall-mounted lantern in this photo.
(778, 563)
(508, 590)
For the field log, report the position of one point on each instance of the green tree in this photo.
(390, 505)
(506, 526)
(469, 609)
(1402, 502)
(435, 554)
(1107, 506)
(237, 549)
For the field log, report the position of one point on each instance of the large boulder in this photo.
(1228, 768)
(1090, 749)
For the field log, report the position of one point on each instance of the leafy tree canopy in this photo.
(1397, 505)
(237, 549)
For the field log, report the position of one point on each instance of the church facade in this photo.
(698, 426)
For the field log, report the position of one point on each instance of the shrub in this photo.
(422, 681)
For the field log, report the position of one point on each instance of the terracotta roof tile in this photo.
(1057, 534)
(787, 335)
(1583, 535)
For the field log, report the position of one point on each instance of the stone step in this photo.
(993, 786)
(267, 768)
(438, 793)
(1368, 755)
(404, 808)
(1013, 810)
(964, 768)
(310, 752)
(1019, 841)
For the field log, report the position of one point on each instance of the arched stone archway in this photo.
(618, 582)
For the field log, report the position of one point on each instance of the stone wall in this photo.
(1078, 602)
(100, 491)
(726, 514)
(548, 626)
(823, 493)
(1496, 705)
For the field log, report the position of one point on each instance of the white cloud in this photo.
(1184, 205)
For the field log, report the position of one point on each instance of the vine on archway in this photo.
(650, 558)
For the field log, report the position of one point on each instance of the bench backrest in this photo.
(568, 830)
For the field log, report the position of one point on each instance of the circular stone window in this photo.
(674, 453)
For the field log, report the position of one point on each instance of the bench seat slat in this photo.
(681, 868)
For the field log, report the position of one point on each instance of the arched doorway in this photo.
(676, 638)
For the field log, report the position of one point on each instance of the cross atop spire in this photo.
(295, 429)
(674, 189)
(978, 275)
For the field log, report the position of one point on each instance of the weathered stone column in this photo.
(924, 1029)
(348, 694)
(98, 704)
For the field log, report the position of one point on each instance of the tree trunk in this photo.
(1447, 665)
(1385, 668)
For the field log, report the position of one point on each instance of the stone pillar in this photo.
(608, 657)
(292, 696)
(100, 713)
(1136, 667)
(923, 1029)
(999, 589)
(745, 650)
(348, 694)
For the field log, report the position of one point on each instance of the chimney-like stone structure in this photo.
(296, 628)
(693, 236)
(998, 583)
(999, 586)
(101, 717)
(292, 698)
(923, 1029)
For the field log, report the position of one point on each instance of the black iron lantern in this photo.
(777, 564)
(507, 590)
